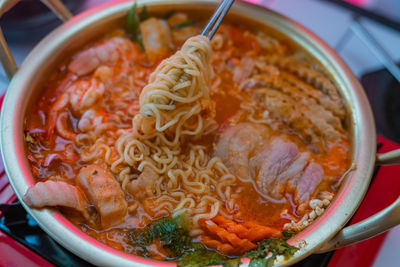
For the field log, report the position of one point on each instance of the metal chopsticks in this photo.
(215, 20)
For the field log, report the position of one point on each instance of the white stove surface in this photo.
(329, 22)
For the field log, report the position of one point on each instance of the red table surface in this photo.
(12, 253)
(361, 254)
(384, 190)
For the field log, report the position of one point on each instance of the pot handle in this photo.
(389, 158)
(370, 227)
(6, 58)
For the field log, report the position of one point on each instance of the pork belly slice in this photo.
(273, 165)
(51, 194)
(309, 180)
(237, 144)
(281, 164)
(283, 169)
(296, 167)
(104, 192)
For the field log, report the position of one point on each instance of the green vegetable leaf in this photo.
(173, 233)
(258, 262)
(262, 255)
(183, 24)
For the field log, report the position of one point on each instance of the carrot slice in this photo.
(226, 236)
(230, 225)
(259, 232)
(230, 237)
(221, 247)
(248, 230)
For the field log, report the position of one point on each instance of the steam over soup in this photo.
(160, 143)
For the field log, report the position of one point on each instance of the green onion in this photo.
(133, 20)
(143, 14)
(132, 23)
(182, 24)
(169, 14)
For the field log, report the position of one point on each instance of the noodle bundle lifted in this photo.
(224, 150)
(172, 115)
(179, 88)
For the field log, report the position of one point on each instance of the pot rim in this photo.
(64, 232)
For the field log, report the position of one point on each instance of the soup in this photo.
(224, 150)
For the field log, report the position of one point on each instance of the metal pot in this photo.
(326, 233)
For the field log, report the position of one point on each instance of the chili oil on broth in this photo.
(58, 156)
